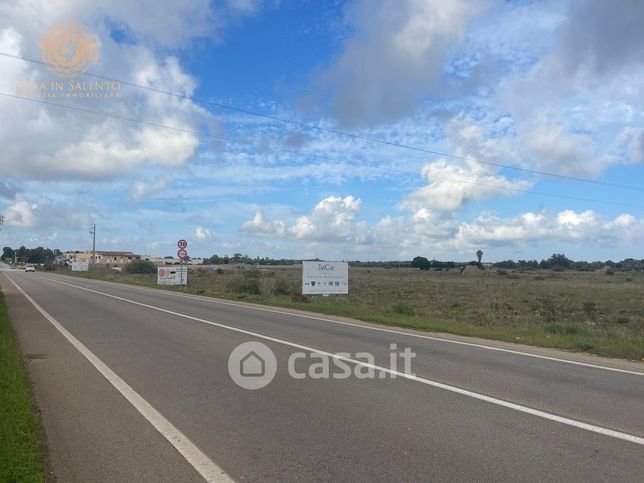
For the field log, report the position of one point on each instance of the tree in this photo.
(421, 262)
(7, 253)
(479, 255)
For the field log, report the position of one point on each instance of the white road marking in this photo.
(378, 329)
(199, 461)
(475, 395)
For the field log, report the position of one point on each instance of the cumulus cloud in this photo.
(142, 189)
(567, 225)
(394, 57)
(333, 223)
(599, 38)
(260, 226)
(332, 218)
(45, 213)
(74, 145)
(451, 185)
(21, 213)
(202, 233)
(632, 142)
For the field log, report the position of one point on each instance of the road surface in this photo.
(133, 385)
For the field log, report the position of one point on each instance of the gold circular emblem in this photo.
(69, 47)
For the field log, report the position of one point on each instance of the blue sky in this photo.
(553, 87)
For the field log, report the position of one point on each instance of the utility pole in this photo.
(92, 231)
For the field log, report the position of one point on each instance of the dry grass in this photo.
(580, 311)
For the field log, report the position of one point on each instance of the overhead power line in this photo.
(338, 132)
(299, 153)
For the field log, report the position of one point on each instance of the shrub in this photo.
(590, 309)
(561, 329)
(584, 345)
(502, 272)
(282, 287)
(403, 309)
(252, 273)
(300, 298)
(244, 286)
(140, 266)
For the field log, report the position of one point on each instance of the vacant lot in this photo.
(580, 311)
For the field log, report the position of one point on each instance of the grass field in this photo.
(21, 456)
(579, 311)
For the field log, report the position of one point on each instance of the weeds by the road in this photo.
(577, 311)
(21, 456)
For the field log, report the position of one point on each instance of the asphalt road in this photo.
(469, 413)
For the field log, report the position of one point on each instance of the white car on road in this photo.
(30, 269)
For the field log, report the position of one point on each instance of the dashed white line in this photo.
(380, 329)
(193, 455)
(475, 395)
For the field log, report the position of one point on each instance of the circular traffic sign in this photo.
(182, 244)
(182, 254)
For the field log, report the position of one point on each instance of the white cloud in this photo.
(332, 218)
(202, 233)
(74, 145)
(260, 226)
(586, 227)
(21, 214)
(632, 142)
(451, 185)
(395, 56)
(142, 189)
(599, 38)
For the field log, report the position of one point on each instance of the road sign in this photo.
(182, 254)
(172, 275)
(80, 266)
(182, 244)
(325, 278)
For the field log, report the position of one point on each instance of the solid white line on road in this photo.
(475, 395)
(381, 329)
(199, 461)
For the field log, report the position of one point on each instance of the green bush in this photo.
(244, 286)
(300, 298)
(140, 266)
(282, 287)
(561, 329)
(403, 309)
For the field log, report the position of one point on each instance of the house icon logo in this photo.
(252, 365)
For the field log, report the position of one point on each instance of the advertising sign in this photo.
(172, 275)
(325, 278)
(80, 266)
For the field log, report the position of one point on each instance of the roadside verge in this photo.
(21, 447)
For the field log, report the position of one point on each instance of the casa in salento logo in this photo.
(69, 48)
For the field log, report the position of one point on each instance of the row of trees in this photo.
(238, 258)
(30, 255)
(557, 261)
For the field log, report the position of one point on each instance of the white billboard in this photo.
(172, 275)
(325, 278)
(80, 266)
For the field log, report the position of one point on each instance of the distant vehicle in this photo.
(116, 269)
(30, 269)
(13, 267)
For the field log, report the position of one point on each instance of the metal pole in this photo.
(92, 231)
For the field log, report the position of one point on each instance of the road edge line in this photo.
(455, 389)
(186, 448)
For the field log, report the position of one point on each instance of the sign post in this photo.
(324, 278)
(182, 253)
